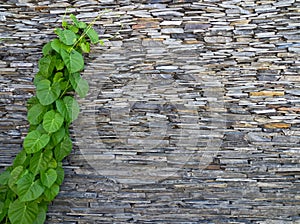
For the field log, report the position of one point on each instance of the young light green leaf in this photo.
(51, 193)
(73, 60)
(63, 149)
(59, 64)
(36, 113)
(48, 178)
(79, 24)
(52, 164)
(85, 47)
(28, 189)
(93, 35)
(22, 212)
(52, 121)
(47, 93)
(35, 141)
(68, 37)
(79, 84)
(40, 161)
(68, 107)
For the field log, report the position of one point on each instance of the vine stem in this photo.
(88, 28)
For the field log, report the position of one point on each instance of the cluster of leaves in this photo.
(27, 187)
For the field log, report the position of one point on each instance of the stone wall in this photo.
(192, 116)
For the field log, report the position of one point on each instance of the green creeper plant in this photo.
(34, 179)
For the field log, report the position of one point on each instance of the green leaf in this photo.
(56, 138)
(46, 93)
(73, 28)
(15, 174)
(36, 113)
(46, 65)
(4, 177)
(68, 37)
(77, 23)
(85, 47)
(20, 159)
(52, 121)
(59, 64)
(93, 35)
(32, 101)
(57, 45)
(68, 107)
(40, 161)
(52, 192)
(63, 149)
(41, 216)
(73, 60)
(52, 164)
(4, 211)
(60, 174)
(38, 77)
(35, 141)
(48, 178)
(79, 84)
(28, 189)
(22, 213)
(47, 49)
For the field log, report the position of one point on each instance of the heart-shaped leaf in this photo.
(46, 66)
(69, 108)
(28, 189)
(68, 37)
(40, 161)
(15, 174)
(60, 174)
(48, 178)
(73, 60)
(52, 121)
(41, 216)
(22, 212)
(20, 159)
(47, 93)
(35, 141)
(57, 45)
(52, 192)
(4, 177)
(63, 149)
(36, 113)
(79, 84)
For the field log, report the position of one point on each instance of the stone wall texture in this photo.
(192, 116)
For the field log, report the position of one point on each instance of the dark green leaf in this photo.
(36, 113)
(58, 136)
(68, 107)
(79, 84)
(46, 93)
(41, 216)
(28, 189)
(35, 141)
(73, 60)
(63, 149)
(60, 174)
(22, 212)
(4, 177)
(48, 178)
(52, 121)
(52, 192)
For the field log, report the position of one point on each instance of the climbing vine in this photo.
(34, 179)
